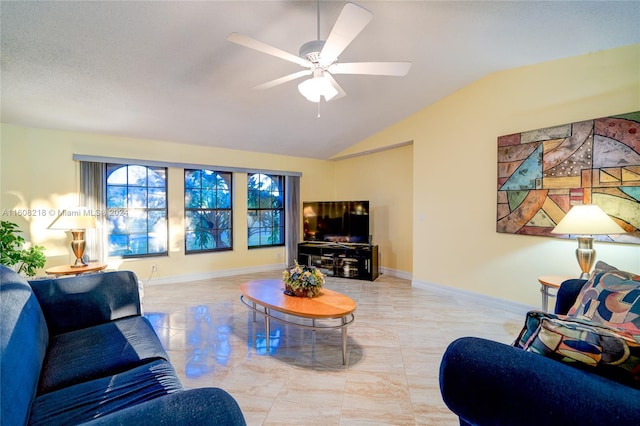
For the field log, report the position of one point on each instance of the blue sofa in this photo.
(77, 350)
(489, 383)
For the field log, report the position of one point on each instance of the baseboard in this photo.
(507, 305)
(175, 279)
(395, 273)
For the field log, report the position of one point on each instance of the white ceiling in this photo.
(164, 69)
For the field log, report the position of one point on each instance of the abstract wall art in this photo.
(543, 173)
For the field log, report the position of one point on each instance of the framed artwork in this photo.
(543, 173)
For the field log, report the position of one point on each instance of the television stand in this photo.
(345, 260)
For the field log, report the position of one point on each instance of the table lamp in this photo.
(76, 220)
(585, 221)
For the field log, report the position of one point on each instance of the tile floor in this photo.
(393, 354)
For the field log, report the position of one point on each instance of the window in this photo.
(208, 213)
(136, 210)
(265, 215)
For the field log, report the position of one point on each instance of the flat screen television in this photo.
(336, 221)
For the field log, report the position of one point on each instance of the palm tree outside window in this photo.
(265, 210)
(208, 211)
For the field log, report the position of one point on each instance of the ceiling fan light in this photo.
(314, 88)
(308, 89)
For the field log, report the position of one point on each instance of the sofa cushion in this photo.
(100, 297)
(99, 351)
(23, 343)
(199, 406)
(610, 352)
(611, 298)
(92, 399)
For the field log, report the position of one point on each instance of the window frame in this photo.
(112, 211)
(201, 209)
(279, 181)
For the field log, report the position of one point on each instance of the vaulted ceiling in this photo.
(165, 70)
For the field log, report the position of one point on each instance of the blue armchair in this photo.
(490, 383)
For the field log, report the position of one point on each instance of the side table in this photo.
(548, 282)
(68, 270)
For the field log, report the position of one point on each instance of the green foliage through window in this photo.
(265, 210)
(208, 212)
(137, 210)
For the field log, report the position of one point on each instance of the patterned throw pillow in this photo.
(531, 327)
(604, 267)
(610, 298)
(604, 350)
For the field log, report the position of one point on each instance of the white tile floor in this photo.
(393, 354)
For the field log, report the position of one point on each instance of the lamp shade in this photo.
(587, 219)
(74, 218)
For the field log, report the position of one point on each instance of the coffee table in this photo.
(267, 296)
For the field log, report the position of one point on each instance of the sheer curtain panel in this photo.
(92, 196)
(292, 217)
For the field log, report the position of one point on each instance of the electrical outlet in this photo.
(154, 268)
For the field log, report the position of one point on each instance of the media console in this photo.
(358, 261)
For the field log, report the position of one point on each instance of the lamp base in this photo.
(79, 263)
(586, 255)
(78, 245)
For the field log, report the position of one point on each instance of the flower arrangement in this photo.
(302, 280)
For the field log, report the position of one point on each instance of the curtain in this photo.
(92, 196)
(292, 217)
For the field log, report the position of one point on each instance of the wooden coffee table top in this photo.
(270, 294)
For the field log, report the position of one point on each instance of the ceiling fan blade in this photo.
(351, 21)
(252, 43)
(281, 80)
(398, 69)
(334, 83)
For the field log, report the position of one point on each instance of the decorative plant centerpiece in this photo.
(302, 280)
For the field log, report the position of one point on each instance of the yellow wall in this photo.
(454, 170)
(38, 173)
(385, 178)
(433, 202)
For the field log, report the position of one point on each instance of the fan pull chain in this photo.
(318, 108)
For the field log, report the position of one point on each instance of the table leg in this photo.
(254, 311)
(545, 297)
(344, 341)
(313, 332)
(313, 338)
(267, 327)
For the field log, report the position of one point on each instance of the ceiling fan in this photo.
(320, 57)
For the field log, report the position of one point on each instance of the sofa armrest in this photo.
(203, 406)
(567, 295)
(73, 303)
(490, 383)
